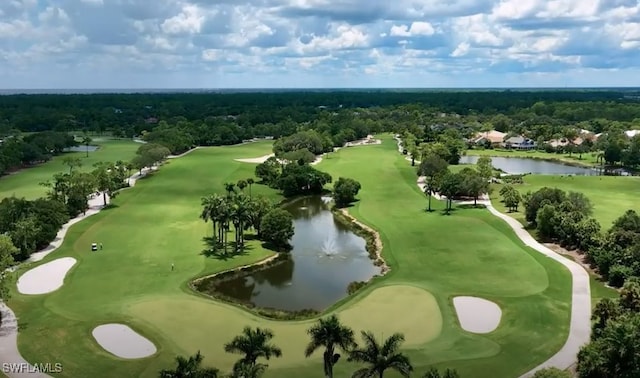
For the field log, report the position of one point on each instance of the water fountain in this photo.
(329, 246)
(326, 199)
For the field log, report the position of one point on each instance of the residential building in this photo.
(496, 138)
(519, 142)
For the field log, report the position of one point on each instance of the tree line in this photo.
(33, 224)
(566, 218)
(331, 336)
(327, 333)
(615, 337)
(21, 151)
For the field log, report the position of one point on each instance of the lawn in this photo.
(611, 196)
(432, 257)
(26, 182)
(586, 159)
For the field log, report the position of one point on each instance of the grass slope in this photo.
(433, 258)
(26, 182)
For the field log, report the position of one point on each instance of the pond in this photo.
(81, 149)
(326, 257)
(516, 165)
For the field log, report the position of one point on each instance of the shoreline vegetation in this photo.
(584, 163)
(206, 285)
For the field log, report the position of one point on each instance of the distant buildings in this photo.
(493, 137)
(500, 139)
(519, 142)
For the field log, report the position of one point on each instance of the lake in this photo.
(325, 258)
(518, 165)
(81, 149)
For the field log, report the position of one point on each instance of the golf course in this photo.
(152, 238)
(26, 182)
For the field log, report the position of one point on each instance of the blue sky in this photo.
(318, 43)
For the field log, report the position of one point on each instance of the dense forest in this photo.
(181, 121)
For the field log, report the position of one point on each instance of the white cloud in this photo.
(515, 38)
(461, 50)
(188, 21)
(416, 29)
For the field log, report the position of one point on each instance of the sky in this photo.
(318, 43)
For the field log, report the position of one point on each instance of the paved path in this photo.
(580, 323)
(12, 364)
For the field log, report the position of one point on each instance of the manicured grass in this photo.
(611, 196)
(26, 183)
(587, 159)
(432, 257)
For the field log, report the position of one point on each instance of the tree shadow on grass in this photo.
(278, 248)
(471, 206)
(215, 250)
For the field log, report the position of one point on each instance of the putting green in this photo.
(375, 311)
(433, 258)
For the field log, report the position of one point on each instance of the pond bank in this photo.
(333, 256)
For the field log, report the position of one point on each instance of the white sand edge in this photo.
(45, 278)
(121, 341)
(362, 142)
(477, 315)
(256, 160)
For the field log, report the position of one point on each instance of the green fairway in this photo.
(433, 258)
(610, 196)
(587, 159)
(26, 183)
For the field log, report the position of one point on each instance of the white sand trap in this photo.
(258, 160)
(122, 341)
(477, 315)
(46, 277)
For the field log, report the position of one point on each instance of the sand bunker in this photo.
(258, 160)
(477, 315)
(122, 341)
(46, 277)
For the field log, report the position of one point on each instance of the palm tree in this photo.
(86, 140)
(329, 333)
(223, 217)
(248, 371)
(380, 357)
(253, 344)
(191, 368)
(241, 184)
(240, 216)
(209, 211)
(230, 188)
(250, 182)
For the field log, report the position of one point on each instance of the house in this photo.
(588, 135)
(519, 142)
(496, 138)
(632, 133)
(555, 143)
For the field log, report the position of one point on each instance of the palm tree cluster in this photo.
(327, 333)
(234, 209)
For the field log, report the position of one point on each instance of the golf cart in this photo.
(94, 247)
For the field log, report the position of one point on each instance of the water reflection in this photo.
(325, 258)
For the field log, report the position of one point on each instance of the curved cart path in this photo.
(13, 364)
(580, 324)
